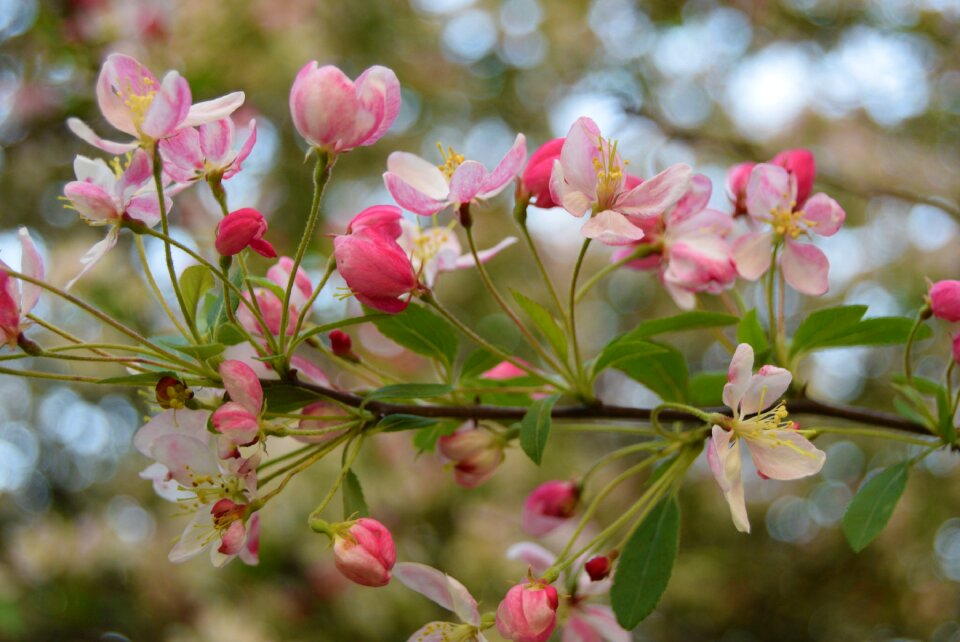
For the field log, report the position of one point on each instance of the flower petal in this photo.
(825, 213)
(172, 422)
(95, 253)
(611, 228)
(654, 196)
(121, 78)
(198, 534)
(738, 376)
(440, 588)
(538, 558)
(211, 110)
(91, 201)
(378, 96)
(31, 264)
(764, 389)
(168, 108)
(243, 385)
(467, 260)
(82, 131)
(784, 454)
(580, 148)
(216, 140)
(752, 254)
(693, 201)
(806, 268)
(466, 182)
(571, 199)
(770, 188)
(725, 464)
(506, 170)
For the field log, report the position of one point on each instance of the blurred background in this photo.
(871, 86)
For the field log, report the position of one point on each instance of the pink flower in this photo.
(549, 506)
(503, 371)
(694, 255)
(528, 613)
(206, 151)
(777, 449)
(103, 198)
(590, 176)
(241, 229)
(271, 306)
(135, 102)
(436, 249)
(336, 114)
(426, 189)
(18, 300)
(772, 198)
(737, 178)
(238, 420)
(945, 300)
(373, 264)
(536, 176)
(802, 165)
(448, 593)
(475, 452)
(365, 553)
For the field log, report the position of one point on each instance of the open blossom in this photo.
(772, 200)
(188, 471)
(475, 453)
(337, 114)
(436, 249)
(777, 449)
(17, 300)
(945, 300)
(238, 420)
(376, 268)
(206, 151)
(536, 176)
(271, 306)
(448, 593)
(798, 162)
(691, 252)
(528, 613)
(241, 229)
(426, 189)
(104, 197)
(135, 102)
(549, 506)
(365, 553)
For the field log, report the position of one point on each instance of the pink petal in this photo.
(411, 198)
(379, 98)
(82, 131)
(91, 201)
(216, 140)
(467, 260)
(440, 588)
(825, 213)
(419, 174)
(168, 108)
(250, 553)
(580, 148)
(770, 188)
(242, 384)
(120, 78)
(574, 201)
(594, 623)
(172, 422)
(146, 208)
(323, 103)
(211, 110)
(31, 264)
(237, 424)
(693, 201)
(752, 254)
(95, 171)
(611, 228)
(506, 170)
(725, 464)
(189, 459)
(137, 174)
(784, 454)
(682, 296)
(805, 267)
(654, 196)
(538, 558)
(467, 181)
(182, 156)
(245, 150)
(764, 389)
(738, 376)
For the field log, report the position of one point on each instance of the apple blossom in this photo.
(18, 300)
(436, 249)
(135, 102)
(549, 506)
(536, 177)
(945, 300)
(528, 613)
(238, 420)
(475, 453)
(364, 552)
(448, 593)
(336, 114)
(241, 229)
(427, 189)
(590, 176)
(777, 449)
(206, 152)
(772, 198)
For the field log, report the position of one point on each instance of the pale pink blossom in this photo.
(436, 249)
(134, 101)
(17, 299)
(528, 612)
(474, 452)
(271, 305)
(536, 176)
(206, 152)
(772, 200)
(945, 300)
(426, 189)
(364, 553)
(336, 114)
(691, 252)
(549, 506)
(590, 176)
(105, 198)
(448, 593)
(241, 229)
(777, 449)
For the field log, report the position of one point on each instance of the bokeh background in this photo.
(872, 86)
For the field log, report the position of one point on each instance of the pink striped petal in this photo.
(243, 385)
(752, 254)
(574, 201)
(31, 264)
(506, 170)
(138, 173)
(580, 149)
(378, 92)
(439, 588)
(467, 181)
(411, 198)
(91, 201)
(182, 156)
(245, 150)
(770, 188)
(120, 78)
(611, 228)
(168, 108)
(654, 196)
(693, 201)
(216, 140)
(805, 267)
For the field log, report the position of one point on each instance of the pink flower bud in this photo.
(365, 553)
(337, 114)
(549, 506)
(341, 344)
(536, 177)
(242, 229)
(475, 452)
(801, 164)
(373, 264)
(737, 178)
(503, 371)
(9, 310)
(598, 568)
(528, 613)
(945, 300)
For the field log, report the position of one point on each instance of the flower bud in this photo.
(737, 178)
(945, 300)
(536, 177)
(364, 553)
(599, 567)
(528, 613)
(341, 344)
(336, 114)
(549, 506)
(801, 164)
(242, 229)
(172, 393)
(475, 452)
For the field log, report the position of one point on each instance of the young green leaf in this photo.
(425, 439)
(844, 326)
(354, 504)
(535, 427)
(194, 282)
(200, 352)
(622, 352)
(664, 372)
(646, 564)
(478, 362)
(421, 331)
(685, 321)
(706, 388)
(545, 322)
(872, 506)
(229, 334)
(258, 281)
(401, 422)
(751, 332)
(401, 391)
(824, 325)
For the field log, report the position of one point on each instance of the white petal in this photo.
(784, 454)
(726, 466)
(419, 174)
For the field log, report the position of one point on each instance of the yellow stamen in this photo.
(451, 161)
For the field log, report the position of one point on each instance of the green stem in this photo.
(299, 466)
(640, 252)
(156, 289)
(543, 271)
(344, 469)
(907, 366)
(33, 374)
(578, 362)
(331, 267)
(619, 454)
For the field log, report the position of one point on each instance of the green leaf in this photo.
(872, 506)
(421, 331)
(922, 384)
(143, 378)
(400, 422)
(284, 399)
(200, 352)
(336, 325)
(478, 362)
(425, 440)
(646, 564)
(664, 372)
(945, 417)
(354, 505)
(677, 323)
(216, 311)
(229, 334)
(706, 388)
(194, 282)
(622, 352)
(260, 282)
(824, 325)
(543, 319)
(409, 391)
(751, 332)
(535, 427)
(906, 410)
(844, 327)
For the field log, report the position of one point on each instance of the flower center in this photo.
(138, 100)
(609, 170)
(429, 243)
(451, 161)
(790, 222)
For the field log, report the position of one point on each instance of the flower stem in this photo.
(907, 366)
(578, 362)
(302, 315)
(640, 252)
(543, 270)
(156, 289)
